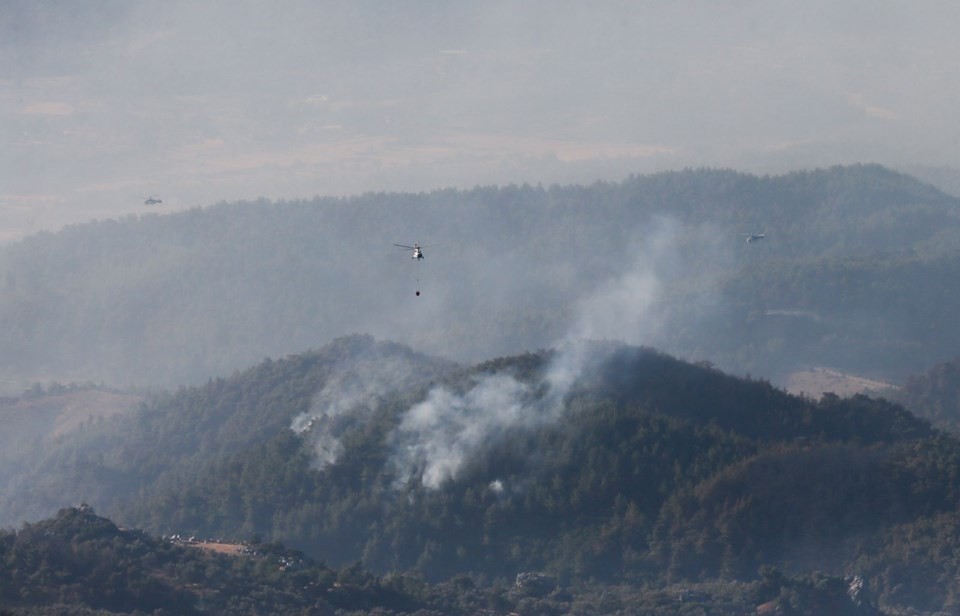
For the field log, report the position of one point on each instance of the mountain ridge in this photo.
(654, 471)
(157, 300)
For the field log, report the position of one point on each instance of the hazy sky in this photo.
(104, 103)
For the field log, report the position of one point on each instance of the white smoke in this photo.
(350, 396)
(438, 435)
(435, 438)
(625, 307)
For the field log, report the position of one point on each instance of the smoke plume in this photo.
(436, 437)
(350, 397)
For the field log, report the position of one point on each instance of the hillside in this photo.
(90, 566)
(104, 462)
(819, 381)
(849, 275)
(935, 395)
(601, 462)
(47, 414)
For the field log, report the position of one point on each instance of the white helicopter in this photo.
(754, 237)
(417, 255)
(417, 251)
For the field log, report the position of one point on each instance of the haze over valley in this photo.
(103, 105)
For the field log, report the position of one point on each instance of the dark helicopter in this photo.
(152, 200)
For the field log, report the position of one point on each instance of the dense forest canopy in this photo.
(80, 564)
(599, 463)
(849, 275)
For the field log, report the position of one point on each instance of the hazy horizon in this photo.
(106, 103)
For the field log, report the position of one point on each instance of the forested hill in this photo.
(850, 275)
(81, 564)
(600, 462)
(935, 395)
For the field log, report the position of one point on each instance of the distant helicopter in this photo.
(153, 200)
(754, 237)
(417, 251)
